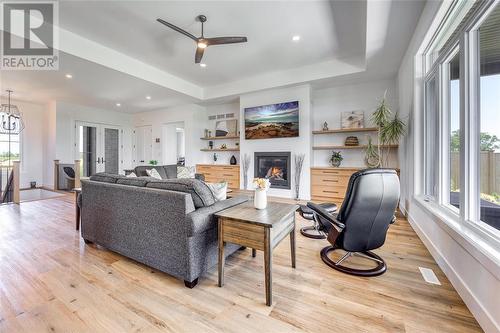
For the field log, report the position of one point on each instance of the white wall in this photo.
(298, 145)
(32, 142)
(194, 118)
(49, 152)
(465, 257)
(222, 157)
(329, 103)
(68, 114)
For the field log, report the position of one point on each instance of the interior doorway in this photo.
(98, 148)
(143, 145)
(173, 143)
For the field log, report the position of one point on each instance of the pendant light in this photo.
(11, 121)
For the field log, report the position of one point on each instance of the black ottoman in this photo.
(308, 214)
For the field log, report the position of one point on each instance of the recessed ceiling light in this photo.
(69, 76)
(148, 97)
(118, 104)
(203, 65)
(296, 38)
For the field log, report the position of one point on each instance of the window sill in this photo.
(482, 246)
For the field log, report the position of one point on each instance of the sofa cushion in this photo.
(171, 171)
(141, 171)
(134, 181)
(203, 219)
(201, 194)
(106, 177)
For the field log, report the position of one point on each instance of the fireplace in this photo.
(275, 167)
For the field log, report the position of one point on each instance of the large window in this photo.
(462, 118)
(453, 129)
(489, 110)
(9, 149)
(431, 133)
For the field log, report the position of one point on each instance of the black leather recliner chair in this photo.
(361, 225)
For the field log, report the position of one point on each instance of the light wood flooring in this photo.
(50, 281)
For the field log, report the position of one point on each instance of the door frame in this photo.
(99, 142)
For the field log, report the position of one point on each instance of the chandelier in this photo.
(10, 118)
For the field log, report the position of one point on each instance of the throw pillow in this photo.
(219, 190)
(185, 172)
(153, 173)
(132, 175)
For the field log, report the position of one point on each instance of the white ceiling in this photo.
(131, 28)
(92, 85)
(117, 52)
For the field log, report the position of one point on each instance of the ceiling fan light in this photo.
(202, 45)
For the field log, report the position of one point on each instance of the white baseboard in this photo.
(483, 317)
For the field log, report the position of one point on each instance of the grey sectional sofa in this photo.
(166, 224)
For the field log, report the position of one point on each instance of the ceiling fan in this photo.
(201, 42)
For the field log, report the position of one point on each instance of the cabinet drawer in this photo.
(333, 180)
(321, 199)
(332, 172)
(328, 191)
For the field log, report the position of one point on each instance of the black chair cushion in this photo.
(371, 199)
(69, 172)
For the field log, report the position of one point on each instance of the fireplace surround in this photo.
(274, 166)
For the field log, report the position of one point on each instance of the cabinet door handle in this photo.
(330, 180)
(335, 192)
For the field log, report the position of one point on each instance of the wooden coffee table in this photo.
(258, 229)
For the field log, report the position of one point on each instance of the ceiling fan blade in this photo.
(198, 55)
(176, 28)
(225, 40)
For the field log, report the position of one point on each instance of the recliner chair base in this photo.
(312, 232)
(379, 270)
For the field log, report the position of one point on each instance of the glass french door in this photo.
(98, 147)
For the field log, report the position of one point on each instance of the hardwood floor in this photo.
(50, 281)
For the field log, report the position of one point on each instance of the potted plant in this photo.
(390, 130)
(372, 159)
(153, 162)
(336, 159)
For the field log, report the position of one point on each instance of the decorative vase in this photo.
(232, 161)
(260, 199)
(335, 163)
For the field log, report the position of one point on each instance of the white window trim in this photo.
(479, 239)
(474, 240)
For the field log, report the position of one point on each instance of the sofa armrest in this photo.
(203, 218)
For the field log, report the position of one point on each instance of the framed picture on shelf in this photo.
(352, 119)
(226, 127)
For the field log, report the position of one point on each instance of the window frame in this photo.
(20, 142)
(465, 39)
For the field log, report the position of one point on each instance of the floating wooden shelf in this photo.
(229, 137)
(350, 147)
(220, 149)
(347, 130)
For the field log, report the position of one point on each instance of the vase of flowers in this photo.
(261, 186)
(336, 159)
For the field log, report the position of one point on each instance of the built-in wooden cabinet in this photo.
(329, 184)
(217, 172)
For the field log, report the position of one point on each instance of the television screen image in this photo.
(272, 121)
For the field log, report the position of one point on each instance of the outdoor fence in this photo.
(490, 171)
